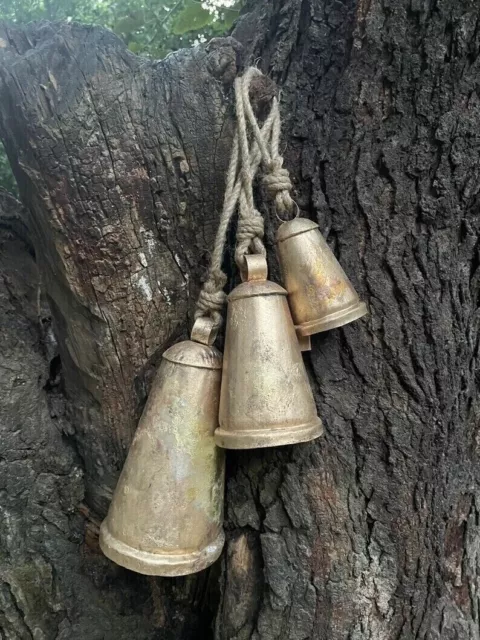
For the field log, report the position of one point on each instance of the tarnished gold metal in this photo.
(320, 295)
(265, 397)
(255, 267)
(166, 514)
(304, 342)
(204, 331)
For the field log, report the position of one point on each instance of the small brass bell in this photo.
(166, 514)
(265, 399)
(320, 295)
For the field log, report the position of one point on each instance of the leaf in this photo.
(229, 17)
(134, 47)
(129, 23)
(191, 18)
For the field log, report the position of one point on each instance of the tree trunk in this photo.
(370, 533)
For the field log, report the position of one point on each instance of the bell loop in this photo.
(293, 206)
(254, 268)
(204, 331)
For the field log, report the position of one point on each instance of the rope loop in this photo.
(211, 302)
(250, 232)
(252, 145)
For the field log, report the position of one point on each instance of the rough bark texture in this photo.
(371, 533)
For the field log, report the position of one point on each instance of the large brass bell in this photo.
(265, 399)
(166, 514)
(319, 293)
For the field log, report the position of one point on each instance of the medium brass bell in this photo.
(265, 399)
(320, 295)
(166, 514)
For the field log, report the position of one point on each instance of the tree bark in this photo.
(370, 533)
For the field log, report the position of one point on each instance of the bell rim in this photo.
(261, 438)
(332, 320)
(167, 565)
(305, 223)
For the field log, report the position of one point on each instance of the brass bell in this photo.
(320, 295)
(265, 398)
(166, 514)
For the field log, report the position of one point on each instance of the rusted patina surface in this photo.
(266, 399)
(167, 511)
(320, 295)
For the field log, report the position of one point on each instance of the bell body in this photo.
(266, 399)
(319, 293)
(166, 514)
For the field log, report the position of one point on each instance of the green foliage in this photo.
(151, 28)
(192, 17)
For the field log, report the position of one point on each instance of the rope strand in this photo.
(245, 160)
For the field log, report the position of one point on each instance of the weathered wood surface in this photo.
(371, 533)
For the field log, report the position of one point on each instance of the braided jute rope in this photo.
(245, 160)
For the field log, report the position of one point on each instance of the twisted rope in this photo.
(250, 228)
(276, 179)
(244, 162)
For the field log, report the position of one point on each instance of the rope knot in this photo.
(278, 184)
(277, 180)
(211, 302)
(250, 228)
(250, 232)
